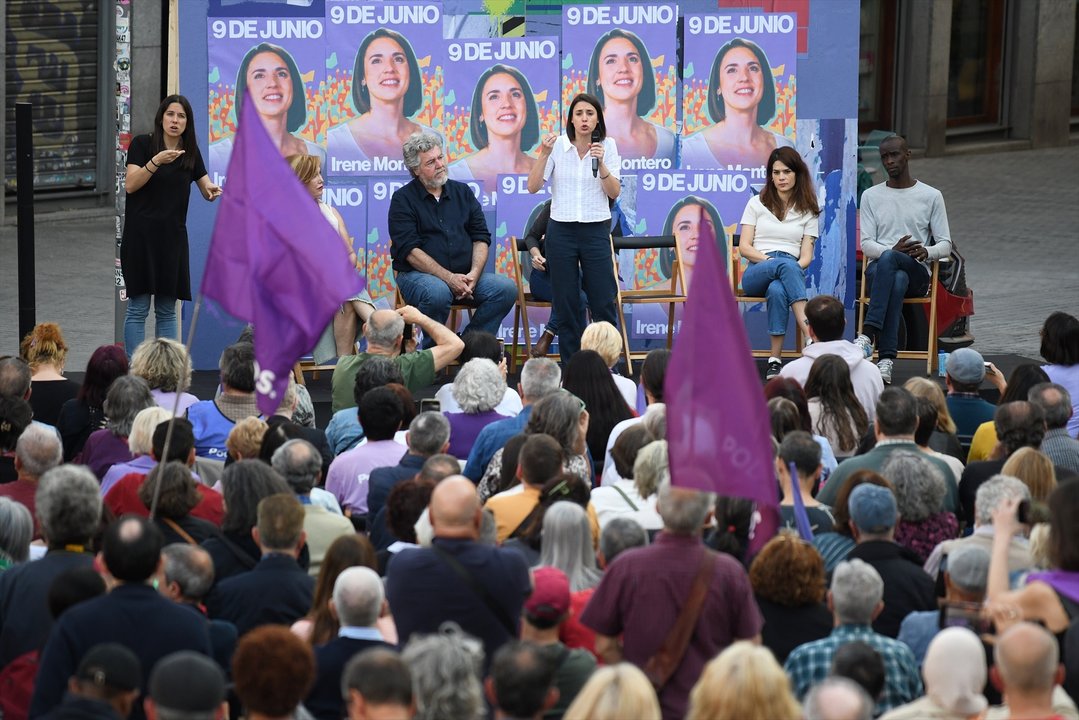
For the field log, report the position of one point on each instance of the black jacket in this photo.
(907, 588)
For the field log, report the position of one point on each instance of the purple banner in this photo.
(626, 56)
(383, 82)
(281, 61)
(500, 99)
(739, 96)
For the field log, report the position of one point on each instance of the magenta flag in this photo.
(274, 259)
(717, 421)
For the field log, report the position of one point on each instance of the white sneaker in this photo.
(775, 367)
(885, 367)
(863, 342)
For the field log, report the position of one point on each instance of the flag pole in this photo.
(176, 403)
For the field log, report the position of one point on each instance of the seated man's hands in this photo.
(460, 285)
(911, 247)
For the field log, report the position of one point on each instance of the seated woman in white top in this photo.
(632, 496)
(778, 229)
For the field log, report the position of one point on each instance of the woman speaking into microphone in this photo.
(583, 167)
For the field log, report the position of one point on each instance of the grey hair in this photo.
(567, 545)
(127, 395)
(488, 528)
(190, 567)
(919, 486)
(539, 378)
(384, 333)
(358, 596)
(140, 441)
(1055, 402)
(993, 492)
(817, 703)
(300, 463)
(16, 530)
(428, 433)
(68, 505)
(446, 669)
(557, 415)
(621, 534)
(651, 468)
(655, 420)
(15, 377)
(39, 449)
(417, 144)
(683, 513)
(856, 590)
(479, 386)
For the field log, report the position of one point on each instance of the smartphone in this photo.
(407, 333)
(430, 404)
(966, 615)
(501, 348)
(1022, 513)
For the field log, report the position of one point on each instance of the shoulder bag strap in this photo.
(497, 610)
(179, 531)
(625, 497)
(662, 665)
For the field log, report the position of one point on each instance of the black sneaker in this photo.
(774, 368)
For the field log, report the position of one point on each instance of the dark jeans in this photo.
(539, 284)
(894, 276)
(579, 256)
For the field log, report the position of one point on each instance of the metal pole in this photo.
(24, 178)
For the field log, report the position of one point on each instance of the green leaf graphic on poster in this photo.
(450, 98)
(567, 61)
(641, 228)
(687, 72)
(501, 232)
(215, 74)
(331, 61)
(372, 236)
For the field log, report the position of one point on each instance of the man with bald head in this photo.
(385, 332)
(1027, 671)
(904, 228)
(479, 587)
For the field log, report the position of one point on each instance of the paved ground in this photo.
(1014, 216)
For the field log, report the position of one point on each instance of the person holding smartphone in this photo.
(904, 228)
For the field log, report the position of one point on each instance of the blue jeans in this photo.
(492, 297)
(138, 307)
(539, 284)
(782, 281)
(891, 278)
(579, 256)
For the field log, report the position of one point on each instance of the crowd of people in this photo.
(522, 552)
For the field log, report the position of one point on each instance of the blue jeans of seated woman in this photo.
(539, 284)
(780, 279)
(138, 308)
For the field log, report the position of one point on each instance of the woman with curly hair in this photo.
(272, 670)
(788, 581)
(176, 498)
(127, 397)
(919, 495)
(834, 409)
(478, 389)
(45, 351)
(744, 683)
(446, 669)
(166, 366)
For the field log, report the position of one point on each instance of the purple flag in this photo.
(274, 260)
(717, 419)
(801, 517)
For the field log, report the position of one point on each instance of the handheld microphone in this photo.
(595, 160)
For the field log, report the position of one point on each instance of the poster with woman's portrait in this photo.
(626, 56)
(738, 102)
(280, 62)
(381, 282)
(383, 82)
(692, 206)
(500, 99)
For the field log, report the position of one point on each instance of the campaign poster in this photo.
(500, 100)
(517, 209)
(280, 62)
(383, 71)
(380, 279)
(678, 203)
(738, 100)
(626, 56)
(349, 197)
